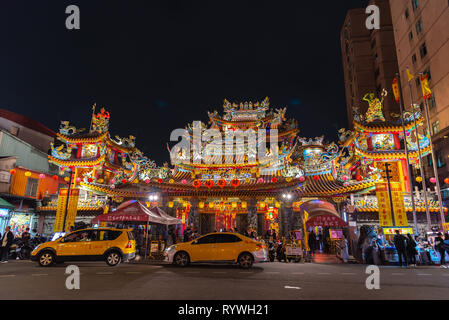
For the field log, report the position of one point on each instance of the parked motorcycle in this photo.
(271, 251)
(280, 252)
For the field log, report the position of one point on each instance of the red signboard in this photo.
(326, 221)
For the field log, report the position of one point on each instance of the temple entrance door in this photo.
(207, 222)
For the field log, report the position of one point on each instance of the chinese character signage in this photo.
(383, 203)
(60, 210)
(400, 215)
(392, 231)
(72, 208)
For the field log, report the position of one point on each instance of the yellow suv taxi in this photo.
(218, 247)
(93, 244)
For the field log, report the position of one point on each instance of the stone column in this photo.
(252, 214)
(194, 216)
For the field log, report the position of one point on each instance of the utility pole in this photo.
(387, 175)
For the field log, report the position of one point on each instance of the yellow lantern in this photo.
(262, 205)
(171, 181)
(170, 204)
(288, 179)
(67, 179)
(278, 204)
(418, 179)
(100, 180)
(211, 205)
(184, 204)
(148, 204)
(244, 205)
(27, 174)
(201, 205)
(234, 205)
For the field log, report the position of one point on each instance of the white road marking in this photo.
(104, 272)
(423, 274)
(289, 287)
(39, 274)
(297, 272)
(133, 272)
(7, 275)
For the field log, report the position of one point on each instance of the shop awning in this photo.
(326, 221)
(169, 219)
(134, 211)
(5, 204)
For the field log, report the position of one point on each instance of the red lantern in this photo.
(124, 181)
(274, 180)
(316, 178)
(222, 183)
(196, 183)
(55, 177)
(359, 178)
(235, 182)
(13, 171)
(41, 176)
(89, 180)
(260, 180)
(209, 183)
(160, 180)
(433, 180)
(302, 178)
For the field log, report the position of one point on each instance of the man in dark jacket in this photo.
(6, 243)
(400, 244)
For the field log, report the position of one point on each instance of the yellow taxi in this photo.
(218, 247)
(93, 244)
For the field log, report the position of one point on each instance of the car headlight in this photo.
(171, 248)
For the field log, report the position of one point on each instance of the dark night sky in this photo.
(157, 65)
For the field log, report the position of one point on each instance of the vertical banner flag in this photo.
(383, 204)
(426, 92)
(410, 76)
(397, 95)
(400, 215)
(306, 235)
(72, 208)
(60, 210)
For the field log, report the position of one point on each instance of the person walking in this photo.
(6, 243)
(439, 246)
(344, 250)
(312, 242)
(400, 244)
(411, 250)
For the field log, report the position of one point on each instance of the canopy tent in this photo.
(136, 211)
(5, 204)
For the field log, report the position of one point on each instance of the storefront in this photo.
(5, 208)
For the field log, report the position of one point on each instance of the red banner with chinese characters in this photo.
(400, 216)
(326, 221)
(383, 204)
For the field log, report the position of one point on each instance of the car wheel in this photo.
(46, 259)
(181, 259)
(113, 258)
(245, 261)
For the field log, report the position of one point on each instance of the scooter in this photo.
(271, 251)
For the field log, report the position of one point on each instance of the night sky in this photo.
(157, 65)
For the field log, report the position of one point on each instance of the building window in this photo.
(410, 36)
(436, 127)
(419, 27)
(415, 4)
(414, 58)
(423, 50)
(440, 159)
(432, 102)
(31, 188)
(407, 13)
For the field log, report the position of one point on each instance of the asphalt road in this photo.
(267, 281)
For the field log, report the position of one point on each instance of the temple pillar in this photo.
(252, 214)
(194, 216)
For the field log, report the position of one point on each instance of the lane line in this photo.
(423, 274)
(7, 275)
(289, 287)
(104, 272)
(39, 274)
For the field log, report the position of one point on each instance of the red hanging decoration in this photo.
(160, 180)
(13, 171)
(55, 177)
(316, 178)
(359, 178)
(209, 183)
(89, 180)
(196, 183)
(446, 181)
(274, 180)
(124, 181)
(221, 183)
(235, 182)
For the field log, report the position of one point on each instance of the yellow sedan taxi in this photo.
(94, 244)
(218, 247)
